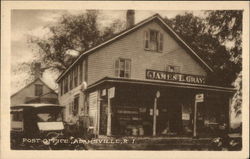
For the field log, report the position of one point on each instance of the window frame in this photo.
(65, 83)
(36, 90)
(71, 80)
(126, 71)
(147, 42)
(61, 87)
(75, 76)
(80, 72)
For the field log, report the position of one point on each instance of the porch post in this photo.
(229, 112)
(155, 112)
(154, 117)
(195, 119)
(98, 112)
(109, 118)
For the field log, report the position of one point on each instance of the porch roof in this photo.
(162, 84)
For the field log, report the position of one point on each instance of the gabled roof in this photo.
(135, 27)
(52, 91)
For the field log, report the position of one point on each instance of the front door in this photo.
(174, 117)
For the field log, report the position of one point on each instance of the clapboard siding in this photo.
(101, 62)
(29, 91)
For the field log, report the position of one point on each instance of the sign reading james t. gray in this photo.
(176, 77)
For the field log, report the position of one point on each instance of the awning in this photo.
(162, 84)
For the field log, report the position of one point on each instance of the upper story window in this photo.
(38, 89)
(76, 76)
(71, 80)
(80, 72)
(153, 40)
(61, 87)
(65, 84)
(171, 68)
(123, 68)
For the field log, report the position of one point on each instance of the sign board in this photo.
(175, 77)
(199, 97)
(157, 112)
(111, 92)
(151, 112)
(103, 92)
(185, 116)
(158, 94)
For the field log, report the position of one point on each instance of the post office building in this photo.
(145, 81)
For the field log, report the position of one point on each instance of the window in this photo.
(61, 87)
(81, 73)
(66, 84)
(175, 69)
(76, 105)
(123, 68)
(38, 89)
(153, 40)
(76, 76)
(71, 80)
(17, 116)
(86, 70)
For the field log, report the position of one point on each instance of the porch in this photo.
(130, 109)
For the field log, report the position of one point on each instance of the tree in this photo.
(204, 37)
(70, 37)
(226, 25)
(217, 38)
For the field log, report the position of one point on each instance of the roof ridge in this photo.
(161, 19)
(38, 78)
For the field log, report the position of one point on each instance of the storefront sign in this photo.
(103, 92)
(158, 94)
(176, 77)
(199, 97)
(151, 112)
(185, 116)
(111, 92)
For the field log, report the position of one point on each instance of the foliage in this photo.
(217, 38)
(210, 37)
(69, 37)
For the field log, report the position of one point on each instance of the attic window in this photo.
(153, 40)
(38, 89)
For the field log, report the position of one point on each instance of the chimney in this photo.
(130, 18)
(37, 70)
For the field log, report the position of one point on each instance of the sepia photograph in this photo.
(129, 79)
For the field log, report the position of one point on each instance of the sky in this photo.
(26, 23)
